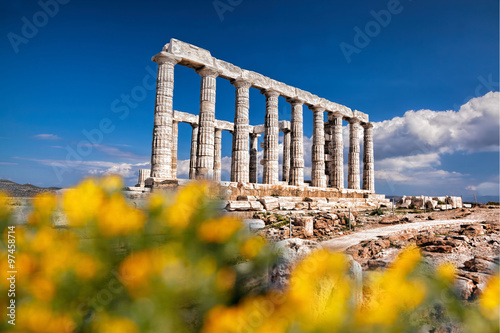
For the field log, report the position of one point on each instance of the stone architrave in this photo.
(206, 131)
(337, 152)
(271, 137)
(161, 151)
(353, 162)
(217, 154)
(254, 149)
(194, 149)
(368, 160)
(240, 157)
(318, 178)
(297, 143)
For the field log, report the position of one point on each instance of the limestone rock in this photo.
(253, 224)
(270, 203)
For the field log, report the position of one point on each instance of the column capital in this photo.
(316, 108)
(353, 120)
(294, 100)
(255, 135)
(193, 125)
(367, 125)
(270, 92)
(206, 71)
(241, 83)
(335, 114)
(165, 57)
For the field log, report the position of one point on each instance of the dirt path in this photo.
(344, 242)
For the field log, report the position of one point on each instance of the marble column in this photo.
(194, 150)
(239, 157)
(318, 148)
(286, 156)
(368, 160)
(217, 154)
(161, 152)
(353, 162)
(206, 131)
(297, 144)
(271, 137)
(337, 152)
(175, 133)
(254, 149)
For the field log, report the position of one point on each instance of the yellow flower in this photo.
(489, 301)
(225, 279)
(187, 201)
(112, 183)
(4, 205)
(81, 204)
(116, 325)
(85, 266)
(117, 218)
(36, 317)
(43, 207)
(42, 289)
(218, 230)
(447, 272)
(251, 248)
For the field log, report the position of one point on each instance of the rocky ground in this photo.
(23, 190)
(469, 238)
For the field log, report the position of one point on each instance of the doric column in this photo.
(194, 149)
(217, 154)
(286, 156)
(271, 137)
(353, 177)
(175, 133)
(206, 131)
(297, 144)
(318, 148)
(239, 157)
(337, 152)
(254, 149)
(161, 152)
(368, 160)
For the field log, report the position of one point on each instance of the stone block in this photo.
(301, 205)
(286, 204)
(238, 206)
(253, 224)
(270, 203)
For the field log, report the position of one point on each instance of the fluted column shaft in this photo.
(337, 152)
(161, 151)
(297, 143)
(318, 148)
(254, 149)
(217, 154)
(175, 134)
(286, 156)
(353, 177)
(368, 160)
(271, 132)
(194, 149)
(206, 131)
(239, 157)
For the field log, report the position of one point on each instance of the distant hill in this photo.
(23, 190)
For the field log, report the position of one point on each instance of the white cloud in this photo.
(473, 128)
(490, 187)
(47, 137)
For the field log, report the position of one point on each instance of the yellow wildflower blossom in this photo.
(117, 218)
(116, 325)
(447, 272)
(489, 301)
(218, 230)
(187, 201)
(81, 204)
(225, 279)
(251, 247)
(43, 207)
(4, 205)
(111, 183)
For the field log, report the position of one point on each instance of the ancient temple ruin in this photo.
(327, 175)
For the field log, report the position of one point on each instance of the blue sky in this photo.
(67, 67)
